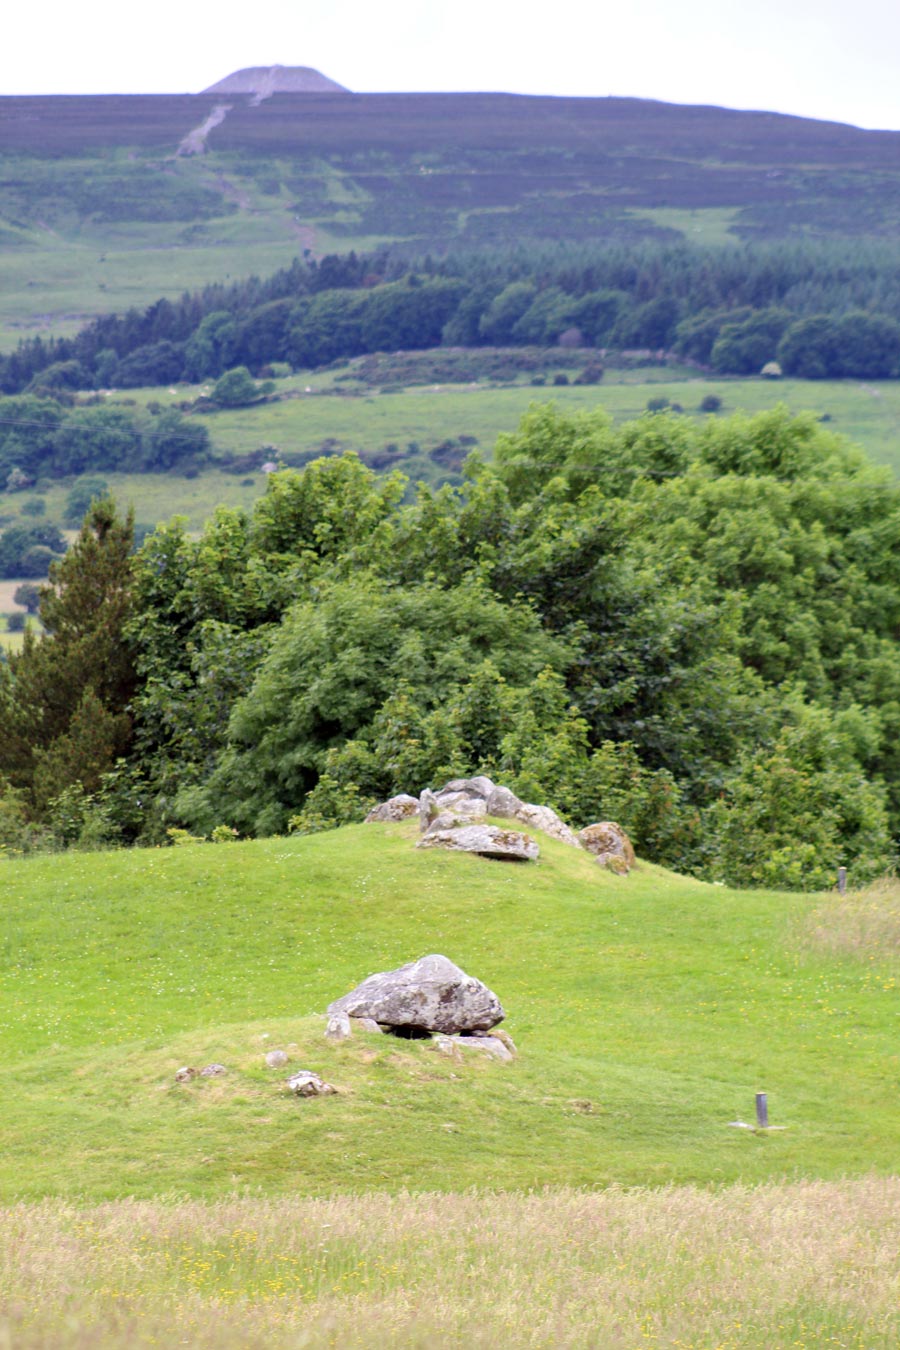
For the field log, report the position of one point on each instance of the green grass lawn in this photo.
(647, 1010)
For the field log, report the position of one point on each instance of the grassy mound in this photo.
(647, 1011)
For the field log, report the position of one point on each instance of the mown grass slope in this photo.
(647, 1011)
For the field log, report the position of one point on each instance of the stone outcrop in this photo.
(429, 995)
(455, 816)
(609, 844)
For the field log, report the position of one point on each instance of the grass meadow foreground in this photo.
(805, 1264)
(594, 1192)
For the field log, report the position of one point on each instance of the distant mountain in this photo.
(141, 191)
(264, 81)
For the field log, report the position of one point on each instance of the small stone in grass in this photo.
(305, 1083)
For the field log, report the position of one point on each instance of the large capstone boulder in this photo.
(610, 845)
(488, 841)
(431, 995)
(395, 808)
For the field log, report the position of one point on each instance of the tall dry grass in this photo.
(802, 1265)
(864, 924)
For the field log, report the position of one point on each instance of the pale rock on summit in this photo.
(264, 81)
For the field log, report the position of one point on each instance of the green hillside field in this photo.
(647, 1011)
(408, 428)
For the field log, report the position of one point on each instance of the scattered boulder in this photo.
(400, 807)
(488, 841)
(428, 995)
(305, 1083)
(365, 1024)
(187, 1074)
(610, 845)
(276, 1059)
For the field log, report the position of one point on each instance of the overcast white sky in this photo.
(833, 59)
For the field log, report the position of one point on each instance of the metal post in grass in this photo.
(762, 1111)
(842, 881)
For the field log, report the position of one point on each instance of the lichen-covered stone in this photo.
(488, 841)
(609, 844)
(547, 821)
(276, 1059)
(400, 807)
(431, 994)
(503, 803)
(213, 1071)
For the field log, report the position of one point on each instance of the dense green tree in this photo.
(236, 388)
(19, 541)
(157, 363)
(410, 314)
(548, 315)
(64, 697)
(169, 438)
(325, 327)
(504, 312)
(810, 348)
(211, 348)
(89, 439)
(743, 347)
(80, 495)
(333, 663)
